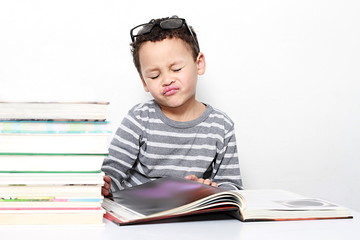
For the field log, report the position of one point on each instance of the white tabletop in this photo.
(213, 229)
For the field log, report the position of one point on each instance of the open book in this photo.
(170, 198)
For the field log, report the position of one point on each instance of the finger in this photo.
(207, 182)
(214, 184)
(106, 186)
(200, 180)
(105, 192)
(107, 179)
(191, 177)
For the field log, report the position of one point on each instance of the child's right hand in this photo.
(105, 190)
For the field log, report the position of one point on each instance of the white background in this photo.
(287, 72)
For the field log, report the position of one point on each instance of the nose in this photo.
(167, 80)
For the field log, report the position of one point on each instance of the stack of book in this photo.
(51, 155)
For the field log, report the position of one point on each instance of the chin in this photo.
(173, 103)
(170, 104)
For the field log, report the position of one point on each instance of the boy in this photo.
(173, 134)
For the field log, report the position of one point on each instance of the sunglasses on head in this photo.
(166, 24)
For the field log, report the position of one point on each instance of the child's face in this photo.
(169, 72)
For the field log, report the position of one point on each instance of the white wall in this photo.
(287, 72)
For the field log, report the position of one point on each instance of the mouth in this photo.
(170, 91)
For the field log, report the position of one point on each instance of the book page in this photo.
(161, 195)
(282, 200)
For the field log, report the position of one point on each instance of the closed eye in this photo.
(177, 69)
(154, 77)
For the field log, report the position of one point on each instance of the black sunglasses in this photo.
(169, 23)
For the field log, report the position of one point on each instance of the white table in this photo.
(228, 229)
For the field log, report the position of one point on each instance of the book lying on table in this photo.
(35, 203)
(54, 127)
(168, 197)
(69, 190)
(75, 143)
(57, 111)
(47, 217)
(15, 185)
(51, 178)
(50, 163)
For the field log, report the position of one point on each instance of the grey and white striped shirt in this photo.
(148, 145)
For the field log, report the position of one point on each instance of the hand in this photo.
(201, 180)
(105, 190)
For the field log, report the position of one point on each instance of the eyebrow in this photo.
(151, 70)
(177, 62)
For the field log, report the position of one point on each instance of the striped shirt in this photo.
(148, 145)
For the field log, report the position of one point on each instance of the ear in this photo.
(201, 64)
(144, 84)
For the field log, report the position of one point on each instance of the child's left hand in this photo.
(201, 180)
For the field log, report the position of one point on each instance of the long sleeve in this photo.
(123, 152)
(226, 172)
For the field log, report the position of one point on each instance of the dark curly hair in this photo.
(158, 34)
